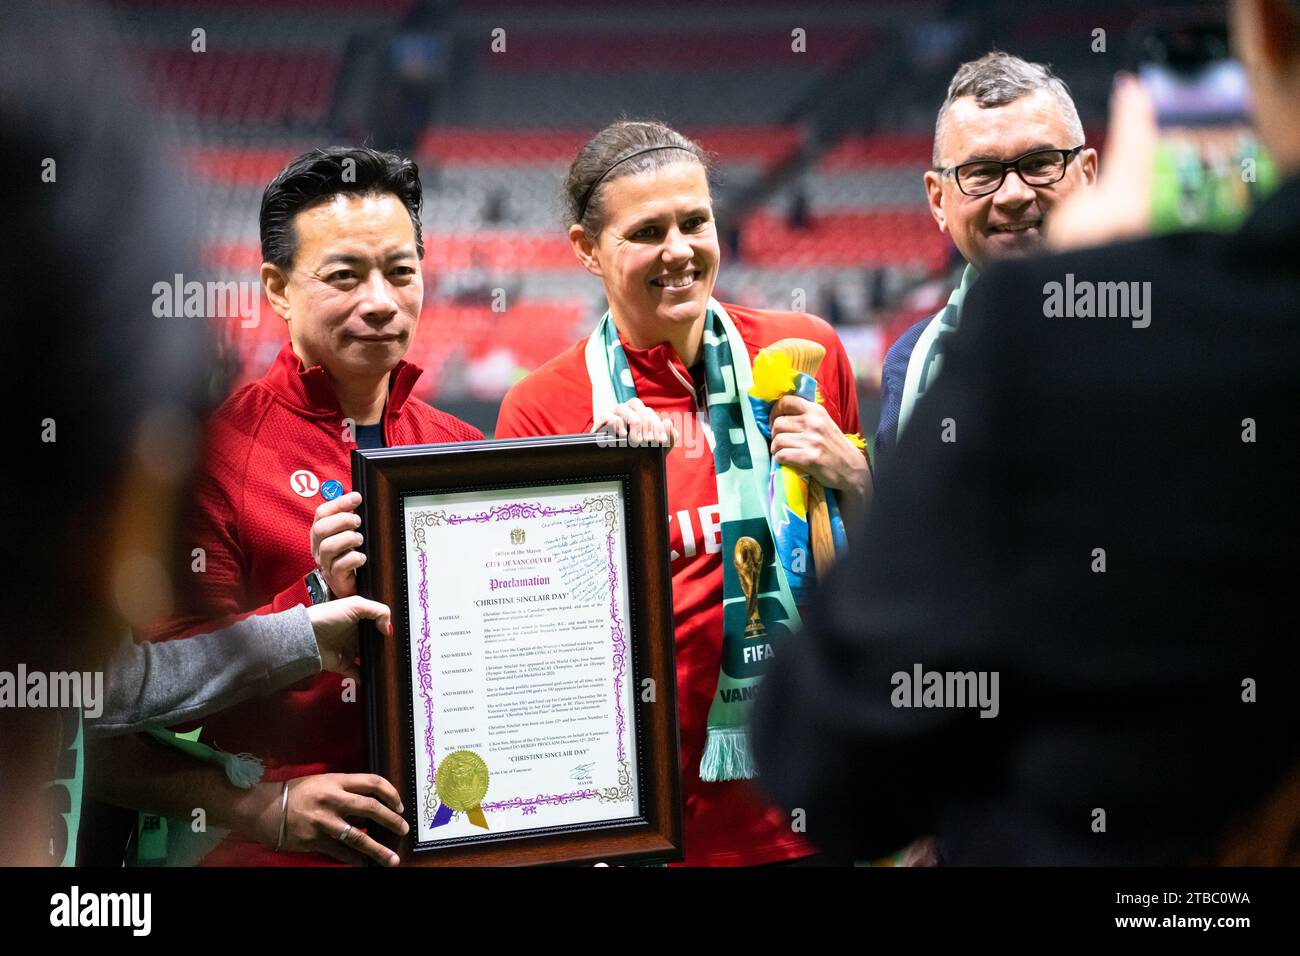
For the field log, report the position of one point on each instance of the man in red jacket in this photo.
(341, 241)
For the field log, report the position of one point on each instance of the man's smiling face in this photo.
(1010, 221)
(353, 295)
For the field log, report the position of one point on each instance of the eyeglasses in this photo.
(1039, 168)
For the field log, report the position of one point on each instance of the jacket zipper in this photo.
(690, 387)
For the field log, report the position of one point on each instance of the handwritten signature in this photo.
(582, 771)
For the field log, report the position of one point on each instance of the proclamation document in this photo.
(522, 700)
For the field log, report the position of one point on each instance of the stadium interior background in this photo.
(819, 196)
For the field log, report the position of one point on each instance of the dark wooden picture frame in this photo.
(385, 477)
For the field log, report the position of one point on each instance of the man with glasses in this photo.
(1008, 146)
(1128, 730)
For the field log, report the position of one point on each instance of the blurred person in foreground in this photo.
(115, 398)
(1098, 512)
(1008, 148)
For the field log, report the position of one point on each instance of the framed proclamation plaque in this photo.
(526, 706)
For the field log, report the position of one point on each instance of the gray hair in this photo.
(996, 79)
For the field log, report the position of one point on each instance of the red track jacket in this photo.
(269, 450)
(726, 823)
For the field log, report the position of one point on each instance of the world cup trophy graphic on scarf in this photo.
(749, 568)
(804, 515)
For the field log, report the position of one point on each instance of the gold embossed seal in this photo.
(462, 783)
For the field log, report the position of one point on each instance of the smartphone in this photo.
(1210, 170)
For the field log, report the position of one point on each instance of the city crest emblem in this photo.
(517, 536)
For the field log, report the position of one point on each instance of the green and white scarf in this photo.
(927, 355)
(740, 463)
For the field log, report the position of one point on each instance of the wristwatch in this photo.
(316, 587)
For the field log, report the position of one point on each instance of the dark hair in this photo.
(317, 176)
(612, 154)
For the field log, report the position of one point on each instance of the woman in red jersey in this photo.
(660, 367)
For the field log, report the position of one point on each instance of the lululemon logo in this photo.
(304, 484)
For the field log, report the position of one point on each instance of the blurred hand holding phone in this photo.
(1181, 151)
(1210, 170)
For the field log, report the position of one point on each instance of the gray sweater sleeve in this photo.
(157, 685)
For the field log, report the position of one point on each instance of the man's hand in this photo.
(805, 437)
(334, 543)
(638, 424)
(335, 626)
(1119, 206)
(317, 814)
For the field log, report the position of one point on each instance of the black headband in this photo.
(586, 197)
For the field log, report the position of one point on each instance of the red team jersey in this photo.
(270, 451)
(726, 823)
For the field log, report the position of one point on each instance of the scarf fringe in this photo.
(243, 770)
(727, 755)
(182, 846)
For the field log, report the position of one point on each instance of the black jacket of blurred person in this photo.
(94, 216)
(1124, 733)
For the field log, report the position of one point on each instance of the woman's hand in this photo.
(335, 626)
(638, 425)
(805, 436)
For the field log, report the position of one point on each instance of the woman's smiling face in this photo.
(658, 253)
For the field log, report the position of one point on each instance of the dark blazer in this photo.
(1121, 690)
(892, 376)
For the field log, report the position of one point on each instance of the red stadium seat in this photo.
(846, 239)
